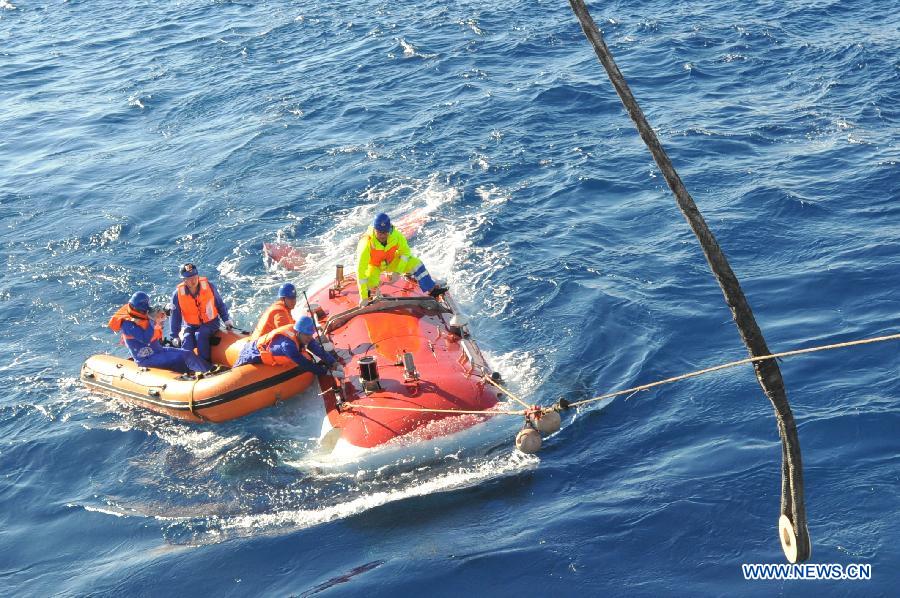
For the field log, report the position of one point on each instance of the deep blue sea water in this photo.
(136, 136)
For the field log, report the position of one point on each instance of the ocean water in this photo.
(137, 136)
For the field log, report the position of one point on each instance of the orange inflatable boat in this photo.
(218, 397)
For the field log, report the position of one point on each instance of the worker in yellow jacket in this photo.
(384, 249)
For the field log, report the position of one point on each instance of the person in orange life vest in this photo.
(279, 313)
(384, 249)
(143, 333)
(291, 345)
(196, 310)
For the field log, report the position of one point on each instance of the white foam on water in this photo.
(200, 443)
(472, 24)
(520, 371)
(104, 511)
(256, 291)
(221, 527)
(410, 51)
(493, 195)
(21, 359)
(398, 197)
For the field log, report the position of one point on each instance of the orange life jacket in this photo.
(126, 312)
(200, 309)
(263, 343)
(380, 258)
(267, 322)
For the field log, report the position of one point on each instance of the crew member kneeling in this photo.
(384, 249)
(142, 337)
(290, 345)
(279, 313)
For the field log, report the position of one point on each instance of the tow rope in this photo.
(545, 420)
(564, 405)
(731, 364)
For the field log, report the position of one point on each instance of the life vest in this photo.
(264, 342)
(378, 257)
(267, 320)
(126, 312)
(200, 309)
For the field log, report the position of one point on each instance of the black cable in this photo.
(767, 371)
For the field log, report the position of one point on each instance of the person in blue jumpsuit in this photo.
(142, 337)
(197, 310)
(281, 347)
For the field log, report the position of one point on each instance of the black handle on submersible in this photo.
(313, 316)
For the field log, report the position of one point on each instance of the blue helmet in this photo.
(287, 291)
(305, 325)
(382, 223)
(140, 301)
(189, 270)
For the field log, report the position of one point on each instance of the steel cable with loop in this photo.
(795, 541)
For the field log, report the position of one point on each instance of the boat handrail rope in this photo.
(385, 304)
(352, 405)
(122, 376)
(793, 529)
(508, 393)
